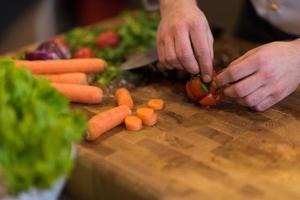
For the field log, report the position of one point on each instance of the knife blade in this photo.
(140, 60)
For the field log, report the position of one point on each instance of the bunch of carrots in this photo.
(107, 120)
(69, 76)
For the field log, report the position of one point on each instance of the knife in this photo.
(140, 60)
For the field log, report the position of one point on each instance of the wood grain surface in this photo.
(194, 152)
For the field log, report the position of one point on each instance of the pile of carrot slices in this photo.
(105, 121)
(69, 76)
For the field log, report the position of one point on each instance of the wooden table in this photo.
(227, 152)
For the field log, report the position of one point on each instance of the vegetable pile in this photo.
(37, 130)
(136, 33)
(109, 119)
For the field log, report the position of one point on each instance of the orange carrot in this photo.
(124, 98)
(133, 123)
(145, 113)
(88, 65)
(106, 121)
(74, 78)
(156, 104)
(150, 121)
(79, 93)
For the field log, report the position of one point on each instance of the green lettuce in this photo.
(37, 130)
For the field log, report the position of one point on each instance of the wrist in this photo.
(171, 5)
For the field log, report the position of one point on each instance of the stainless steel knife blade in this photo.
(140, 60)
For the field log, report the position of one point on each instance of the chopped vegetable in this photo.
(144, 113)
(133, 123)
(156, 104)
(208, 100)
(124, 98)
(150, 121)
(63, 66)
(147, 115)
(107, 120)
(80, 93)
(84, 52)
(37, 130)
(73, 78)
(204, 94)
(189, 92)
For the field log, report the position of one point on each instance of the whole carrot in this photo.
(124, 98)
(79, 93)
(73, 78)
(106, 120)
(88, 65)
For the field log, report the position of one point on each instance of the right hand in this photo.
(184, 39)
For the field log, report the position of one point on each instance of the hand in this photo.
(263, 76)
(184, 39)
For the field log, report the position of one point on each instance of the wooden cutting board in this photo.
(194, 152)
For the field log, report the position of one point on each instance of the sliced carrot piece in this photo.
(150, 121)
(144, 113)
(156, 104)
(124, 98)
(133, 123)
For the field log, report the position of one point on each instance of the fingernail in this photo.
(206, 78)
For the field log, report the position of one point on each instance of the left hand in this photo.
(263, 76)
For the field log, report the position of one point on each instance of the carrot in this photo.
(144, 113)
(88, 65)
(106, 121)
(124, 98)
(156, 104)
(150, 121)
(79, 93)
(133, 123)
(75, 78)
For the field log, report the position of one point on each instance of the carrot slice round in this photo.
(150, 121)
(133, 123)
(144, 113)
(156, 104)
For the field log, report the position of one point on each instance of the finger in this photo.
(256, 97)
(237, 72)
(202, 51)
(280, 91)
(245, 87)
(170, 53)
(165, 62)
(184, 51)
(265, 104)
(160, 52)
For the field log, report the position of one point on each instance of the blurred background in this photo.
(24, 22)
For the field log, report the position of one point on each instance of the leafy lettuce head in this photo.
(37, 130)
